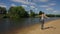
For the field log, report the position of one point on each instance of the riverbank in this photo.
(53, 27)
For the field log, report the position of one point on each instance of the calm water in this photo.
(7, 25)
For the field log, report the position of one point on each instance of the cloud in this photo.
(24, 2)
(20, 1)
(17, 0)
(54, 11)
(50, 9)
(43, 0)
(13, 5)
(53, 1)
(32, 7)
(2, 5)
(48, 5)
(36, 9)
(24, 5)
(52, 4)
(44, 6)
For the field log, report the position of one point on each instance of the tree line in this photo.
(20, 12)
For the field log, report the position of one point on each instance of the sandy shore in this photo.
(51, 27)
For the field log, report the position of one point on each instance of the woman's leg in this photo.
(42, 24)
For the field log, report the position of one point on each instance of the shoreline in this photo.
(50, 28)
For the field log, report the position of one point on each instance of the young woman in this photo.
(42, 17)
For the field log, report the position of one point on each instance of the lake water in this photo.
(8, 25)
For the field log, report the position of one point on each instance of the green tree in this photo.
(32, 14)
(3, 12)
(17, 12)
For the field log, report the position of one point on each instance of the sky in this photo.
(47, 6)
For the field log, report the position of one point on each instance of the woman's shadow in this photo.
(49, 27)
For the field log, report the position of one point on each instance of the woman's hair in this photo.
(42, 12)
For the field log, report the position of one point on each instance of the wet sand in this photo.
(51, 27)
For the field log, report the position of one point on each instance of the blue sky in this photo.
(47, 6)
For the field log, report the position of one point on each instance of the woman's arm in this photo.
(46, 16)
